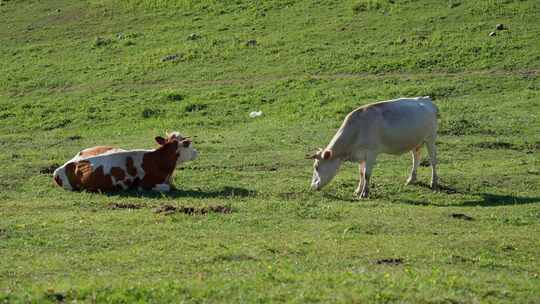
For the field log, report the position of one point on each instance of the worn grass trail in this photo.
(242, 226)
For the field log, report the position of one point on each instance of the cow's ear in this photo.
(160, 140)
(327, 154)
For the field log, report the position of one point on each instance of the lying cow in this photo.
(106, 168)
(392, 127)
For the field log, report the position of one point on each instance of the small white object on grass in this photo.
(255, 114)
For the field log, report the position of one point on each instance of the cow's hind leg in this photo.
(432, 150)
(361, 169)
(369, 164)
(416, 152)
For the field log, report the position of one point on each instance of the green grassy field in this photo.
(75, 74)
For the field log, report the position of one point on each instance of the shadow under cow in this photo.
(225, 192)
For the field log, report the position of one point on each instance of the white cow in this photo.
(392, 127)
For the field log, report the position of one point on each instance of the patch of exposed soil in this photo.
(74, 137)
(390, 261)
(49, 169)
(462, 216)
(116, 206)
(290, 195)
(234, 258)
(169, 209)
(495, 145)
(456, 259)
(509, 248)
(55, 296)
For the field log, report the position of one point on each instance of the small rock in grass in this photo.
(255, 114)
(251, 42)
(193, 36)
(100, 41)
(172, 57)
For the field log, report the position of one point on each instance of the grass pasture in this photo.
(242, 226)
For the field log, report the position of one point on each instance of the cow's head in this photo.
(184, 148)
(325, 167)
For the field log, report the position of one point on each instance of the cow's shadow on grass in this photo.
(225, 192)
(485, 199)
(493, 200)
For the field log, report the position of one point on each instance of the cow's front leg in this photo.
(369, 164)
(361, 169)
(415, 163)
(162, 188)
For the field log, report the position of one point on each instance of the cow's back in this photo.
(394, 126)
(406, 123)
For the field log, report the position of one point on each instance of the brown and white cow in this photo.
(392, 127)
(106, 169)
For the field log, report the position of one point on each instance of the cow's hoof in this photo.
(361, 196)
(411, 180)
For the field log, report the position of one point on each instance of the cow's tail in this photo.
(437, 112)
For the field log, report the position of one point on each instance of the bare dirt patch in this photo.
(116, 206)
(495, 145)
(390, 261)
(169, 209)
(48, 169)
(462, 216)
(234, 258)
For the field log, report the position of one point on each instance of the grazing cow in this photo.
(107, 169)
(392, 127)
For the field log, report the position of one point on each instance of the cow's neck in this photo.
(341, 143)
(162, 161)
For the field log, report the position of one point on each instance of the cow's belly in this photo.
(400, 147)
(404, 139)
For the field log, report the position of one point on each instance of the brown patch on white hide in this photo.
(95, 151)
(130, 167)
(118, 173)
(159, 165)
(58, 180)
